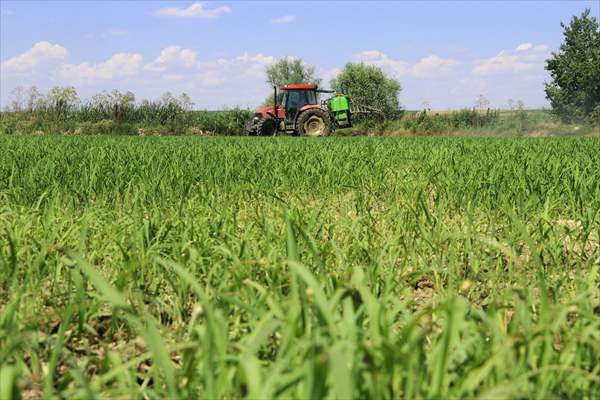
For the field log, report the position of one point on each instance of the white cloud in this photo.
(173, 57)
(244, 66)
(328, 74)
(197, 10)
(209, 78)
(285, 19)
(120, 65)
(524, 47)
(432, 65)
(240, 79)
(453, 83)
(379, 59)
(525, 58)
(40, 53)
(215, 83)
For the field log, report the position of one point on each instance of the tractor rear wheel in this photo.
(314, 122)
(266, 127)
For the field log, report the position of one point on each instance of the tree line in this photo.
(116, 105)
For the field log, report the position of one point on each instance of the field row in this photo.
(338, 267)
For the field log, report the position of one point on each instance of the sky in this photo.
(444, 53)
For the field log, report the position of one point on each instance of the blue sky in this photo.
(444, 54)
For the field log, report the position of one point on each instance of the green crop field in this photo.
(294, 268)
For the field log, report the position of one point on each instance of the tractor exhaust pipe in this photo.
(274, 113)
(275, 104)
(275, 108)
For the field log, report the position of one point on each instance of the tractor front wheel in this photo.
(266, 127)
(314, 122)
(250, 128)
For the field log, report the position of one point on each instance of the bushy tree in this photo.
(369, 85)
(574, 91)
(290, 71)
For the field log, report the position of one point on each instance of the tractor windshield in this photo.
(299, 98)
(293, 100)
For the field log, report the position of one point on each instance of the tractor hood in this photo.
(264, 112)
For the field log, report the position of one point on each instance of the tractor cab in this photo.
(295, 98)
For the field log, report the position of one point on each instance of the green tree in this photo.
(574, 91)
(369, 85)
(290, 71)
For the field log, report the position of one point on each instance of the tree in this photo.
(120, 104)
(114, 105)
(62, 99)
(290, 71)
(368, 85)
(574, 92)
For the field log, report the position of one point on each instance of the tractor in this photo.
(299, 113)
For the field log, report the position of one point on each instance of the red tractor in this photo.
(298, 113)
